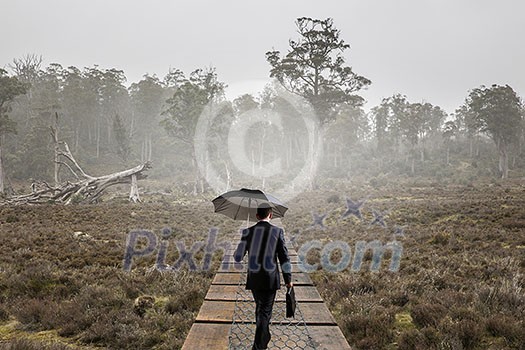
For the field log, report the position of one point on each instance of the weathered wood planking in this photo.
(214, 336)
(229, 257)
(212, 325)
(209, 336)
(328, 338)
(228, 292)
(239, 267)
(223, 311)
(233, 278)
(291, 252)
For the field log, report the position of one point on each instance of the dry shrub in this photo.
(464, 313)
(507, 327)
(425, 314)
(92, 303)
(4, 314)
(424, 339)
(36, 314)
(440, 238)
(34, 281)
(190, 300)
(73, 319)
(372, 331)
(452, 297)
(26, 344)
(40, 279)
(464, 334)
(116, 329)
(400, 299)
(506, 295)
(469, 333)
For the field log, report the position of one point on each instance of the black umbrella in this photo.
(242, 204)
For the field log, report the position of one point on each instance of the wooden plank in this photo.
(233, 278)
(315, 313)
(293, 258)
(301, 279)
(229, 257)
(231, 252)
(216, 311)
(212, 325)
(239, 267)
(229, 292)
(212, 336)
(223, 312)
(324, 338)
(328, 338)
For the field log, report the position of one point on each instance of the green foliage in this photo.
(244, 103)
(498, 112)
(187, 103)
(158, 119)
(315, 69)
(10, 87)
(121, 138)
(36, 155)
(396, 118)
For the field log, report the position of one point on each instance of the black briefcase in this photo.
(290, 302)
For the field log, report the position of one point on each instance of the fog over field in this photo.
(393, 131)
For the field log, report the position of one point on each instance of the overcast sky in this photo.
(428, 50)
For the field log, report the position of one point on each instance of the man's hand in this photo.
(289, 285)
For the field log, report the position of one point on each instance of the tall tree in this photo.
(345, 133)
(450, 131)
(122, 138)
(46, 100)
(420, 121)
(114, 97)
(185, 107)
(498, 110)
(398, 121)
(10, 87)
(387, 118)
(75, 104)
(244, 103)
(469, 125)
(27, 68)
(147, 99)
(315, 69)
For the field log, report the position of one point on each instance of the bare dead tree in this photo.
(86, 188)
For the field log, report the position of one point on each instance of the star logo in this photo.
(379, 218)
(318, 220)
(399, 231)
(353, 208)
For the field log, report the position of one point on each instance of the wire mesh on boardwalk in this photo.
(287, 333)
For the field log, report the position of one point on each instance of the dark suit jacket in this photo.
(264, 243)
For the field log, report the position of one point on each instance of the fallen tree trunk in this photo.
(87, 188)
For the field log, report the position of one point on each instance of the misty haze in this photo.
(143, 144)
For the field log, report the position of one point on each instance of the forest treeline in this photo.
(110, 123)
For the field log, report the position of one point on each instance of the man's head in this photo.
(264, 211)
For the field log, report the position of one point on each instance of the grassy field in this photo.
(460, 284)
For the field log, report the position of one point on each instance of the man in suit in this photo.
(265, 244)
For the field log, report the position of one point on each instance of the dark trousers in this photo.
(263, 313)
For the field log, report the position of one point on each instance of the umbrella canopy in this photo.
(242, 204)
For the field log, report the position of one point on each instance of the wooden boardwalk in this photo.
(226, 319)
